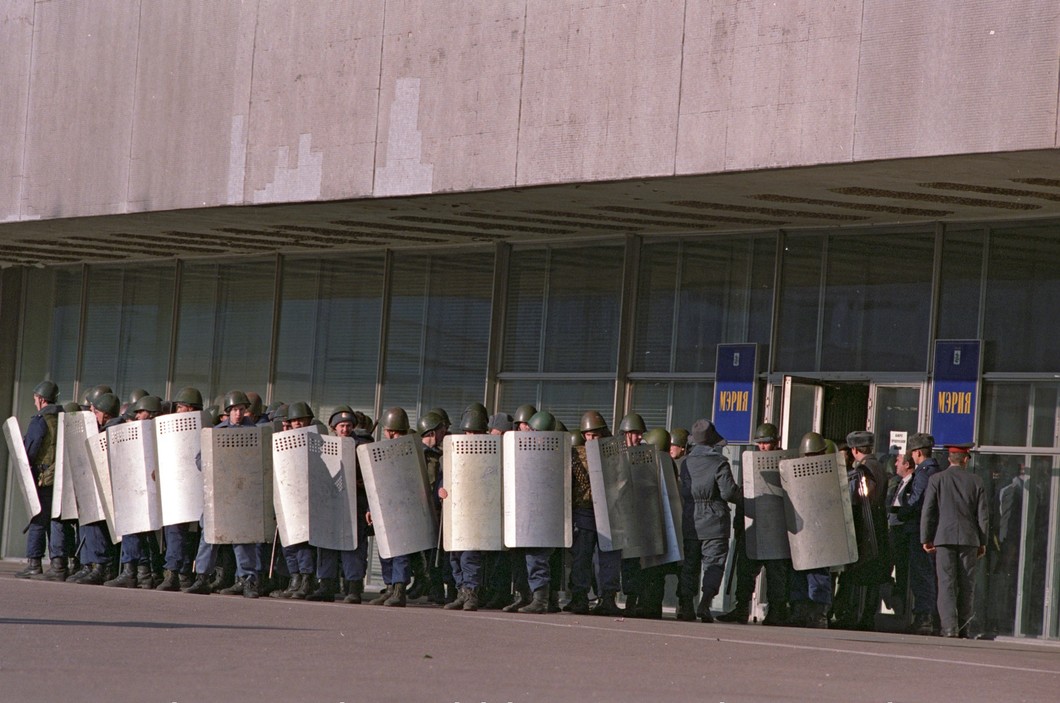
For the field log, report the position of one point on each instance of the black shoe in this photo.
(355, 591)
(416, 589)
(33, 568)
(305, 588)
(79, 574)
(145, 578)
(171, 582)
(56, 572)
(383, 597)
(250, 587)
(685, 611)
(397, 598)
(497, 601)
(200, 586)
(96, 576)
(606, 606)
(125, 579)
(737, 616)
(185, 581)
(703, 611)
(325, 591)
(578, 604)
(539, 605)
(520, 601)
(237, 588)
(293, 585)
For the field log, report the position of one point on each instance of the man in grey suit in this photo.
(954, 527)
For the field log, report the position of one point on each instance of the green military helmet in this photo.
(256, 406)
(576, 439)
(234, 398)
(542, 421)
(830, 447)
(71, 407)
(300, 411)
(47, 390)
(474, 419)
(593, 421)
(280, 413)
(429, 422)
(442, 414)
(632, 423)
(767, 432)
(107, 403)
(189, 396)
(213, 415)
(679, 437)
(92, 393)
(150, 403)
(395, 420)
(812, 443)
(479, 407)
(343, 413)
(659, 437)
(524, 413)
(560, 427)
(136, 394)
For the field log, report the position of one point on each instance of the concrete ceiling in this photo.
(980, 187)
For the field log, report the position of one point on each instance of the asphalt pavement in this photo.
(71, 643)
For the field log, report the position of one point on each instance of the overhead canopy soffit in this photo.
(1021, 185)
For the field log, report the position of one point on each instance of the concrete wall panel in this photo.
(600, 90)
(449, 96)
(192, 104)
(320, 62)
(941, 77)
(16, 36)
(80, 107)
(768, 84)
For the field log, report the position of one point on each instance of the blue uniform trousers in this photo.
(585, 544)
(812, 585)
(397, 569)
(300, 558)
(134, 549)
(179, 544)
(538, 572)
(354, 562)
(97, 548)
(704, 557)
(467, 568)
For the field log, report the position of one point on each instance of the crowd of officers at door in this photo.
(894, 503)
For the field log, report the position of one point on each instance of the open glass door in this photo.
(894, 407)
(801, 409)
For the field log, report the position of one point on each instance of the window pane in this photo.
(877, 303)
(897, 408)
(328, 346)
(651, 399)
(1022, 291)
(581, 328)
(526, 309)
(128, 323)
(225, 329)
(692, 401)
(671, 404)
(799, 302)
(962, 269)
(51, 323)
(566, 400)
(653, 331)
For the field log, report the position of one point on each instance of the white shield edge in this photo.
(671, 513)
(97, 452)
(548, 499)
(178, 438)
(59, 482)
(17, 450)
(333, 493)
(132, 455)
(603, 457)
(644, 526)
(473, 512)
(765, 524)
(408, 524)
(290, 484)
(79, 470)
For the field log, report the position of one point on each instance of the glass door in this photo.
(893, 407)
(801, 409)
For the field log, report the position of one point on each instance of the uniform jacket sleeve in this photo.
(929, 518)
(984, 516)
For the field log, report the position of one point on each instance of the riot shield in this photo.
(644, 531)
(290, 484)
(763, 499)
(473, 513)
(670, 499)
(77, 428)
(333, 492)
(17, 450)
(537, 486)
(61, 482)
(237, 485)
(395, 479)
(133, 458)
(817, 510)
(96, 445)
(179, 439)
(612, 492)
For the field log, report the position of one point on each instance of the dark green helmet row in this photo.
(47, 390)
(658, 437)
(150, 403)
(234, 398)
(812, 443)
(107, 403)
(474, 419)
(135, 395)
(576, 439)
(524, 413)
(543, 421)
(679, 437)
(429, 422)
(593, 421)
(343, 413)
(256, 406)
(94, 392)
(71, 407)
(442, 414)
(189, 396)
(395, 420)
(299, 411)
(632, 423)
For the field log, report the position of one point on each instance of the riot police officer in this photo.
(632, 428)
(180, 547)
(811, 589)
(97, 553)
(921, 564)
(397, 571)
(300, 558)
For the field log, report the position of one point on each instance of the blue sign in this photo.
(955, 394)
(734, 392)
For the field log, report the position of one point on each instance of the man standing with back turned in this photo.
(954, 527)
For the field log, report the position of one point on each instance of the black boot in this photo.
(383, 597)
(74, 565)
(606, 606)
(293, 585)
(171, 582)
(578, 604)
(223, 578)
(471, 602)
(355, 591)
(458, 602)
(184, 581)
(777, 615)
(238, 587)
(250, 587)
(685, 611)
(33, 568)
(397, 599)
(553, 601)
(56, 572)
(737, 615)
(703, 611)
(76, 576)
(539, 605)
(520, 601)
(325, 591)
(96, 575)
(632, 605)
(817, 616)
(125, 579)
(145, 578)
(497, 601)
(305, 588)
(200, 586)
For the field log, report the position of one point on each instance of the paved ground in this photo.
(72, 643)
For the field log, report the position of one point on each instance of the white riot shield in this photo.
(817, 509)
(612, 491)
(333, 492)
(765, 526)
(290, 484)
(96, 445)
(644, 532)
(77, 428)
(17, 450)
(537, 486)
(395, 479)
(671, 514)
(179, 439)
(133, 458)
(237, 485)
(473, 512)
(64, 502)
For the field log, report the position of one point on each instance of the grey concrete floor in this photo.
(64, 642)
